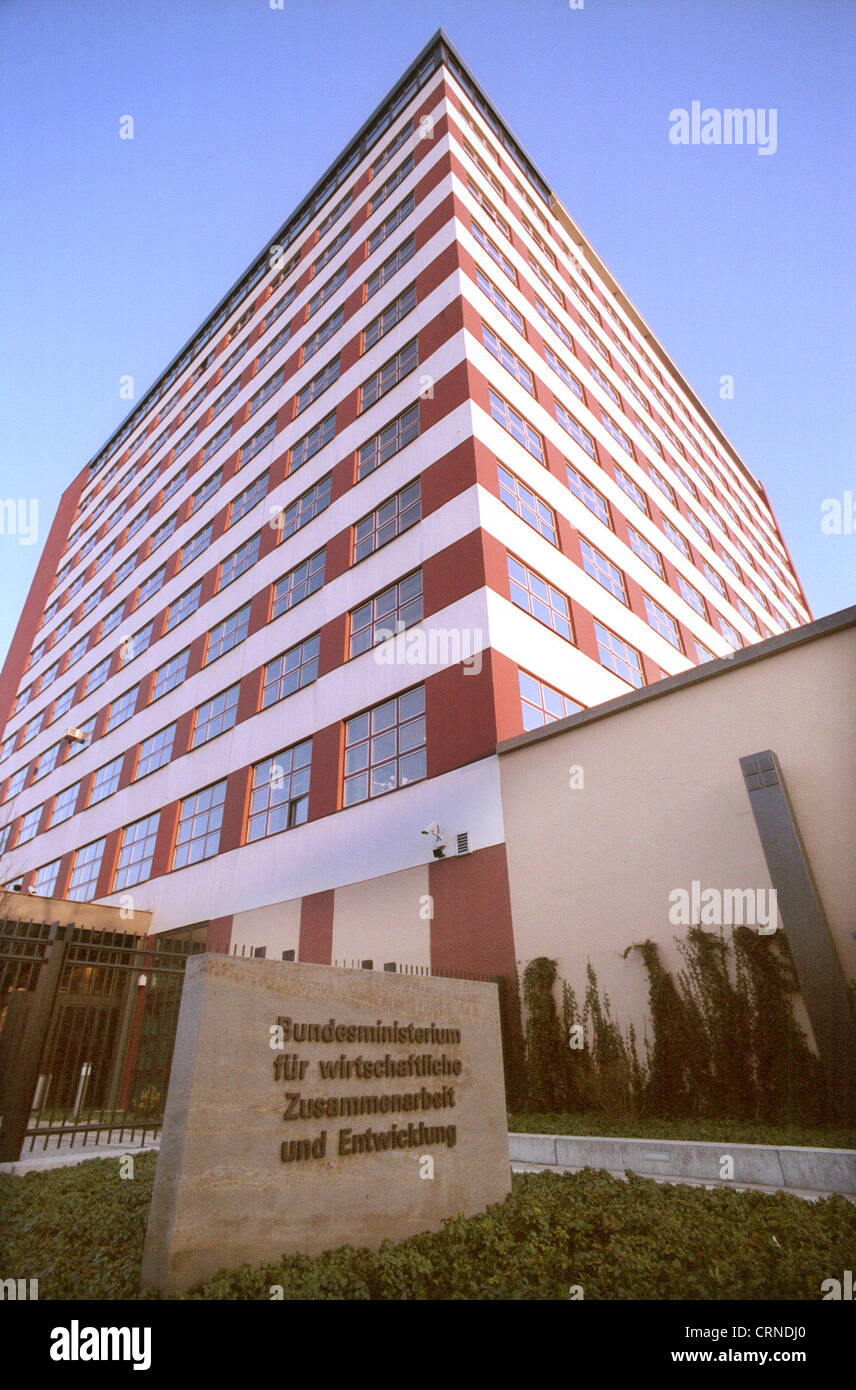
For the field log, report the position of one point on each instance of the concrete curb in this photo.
(762, 1165)
(41, 1163)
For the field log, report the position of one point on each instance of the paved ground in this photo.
(40, 1161)
(683, 1182)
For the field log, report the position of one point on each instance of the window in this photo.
(106, 781)
(588, 495)
(97, 676)
(108, 624)
(498, 299)
(319, 383)
(136, 852)
(598, 567)
(488, 208)
(617, 434)
(702, 653)
(527, 505)
(327, 291)
(183, 607)
(44, 883)
(387, 521)
(404, 168)
(332, 250)
(666, 488)
(746, 612)
(175, 484)
(280, 796)
(662, 622)
(228, 634)
(126, 568)
(29, 825)
(557, 327)
(78, 649)
(540, 704)
(324, 333)
(392, 438)
(217, 442)
(576, 431)
(276, 345)
(239, 561)
(75, 747)
(304, 508)
(698, 526)
(135, 646)
(390, 316)
(171, 674)
(389, 375)
(84, 872)
(390, 267)
(494, 252)
(202, 494)
(63, 806)
(533, 594)
(729, 633)
(675, 537)
(385, 747)
(646, 552)
(713, 578)
(199, 825)
(618, 657)
(561, 371)
(215, 716)
(121, 709)
(196, 546)
(249, 498)
(90, 603)
(155, 751)
(269, 389)
(63, 703)
(654, 442)
(390, 223)
(16, 782)
(517, 427)
(294, 669)
(726, 559)
(303, 580)
(392, 149)
(397, 608)
(257, 442)
(150, 586)
(312, 442)
(545, 279)
(604, 383)
(692, 597)
(219, 405)
(504, 355)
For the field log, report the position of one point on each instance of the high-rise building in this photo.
(427, 409)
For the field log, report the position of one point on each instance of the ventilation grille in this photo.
(464, 842)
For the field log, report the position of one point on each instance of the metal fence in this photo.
(87, 1028)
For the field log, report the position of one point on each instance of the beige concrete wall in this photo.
(380, 920)
(28, 907)
(276, 927)
(663, 802)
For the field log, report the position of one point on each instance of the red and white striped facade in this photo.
(535, 412)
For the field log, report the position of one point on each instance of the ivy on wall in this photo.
(723, 1039)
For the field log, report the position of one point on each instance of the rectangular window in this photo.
(545, 279)
(746, 612)
(499, 301)
(662, 622)
(617, 434)
(312, 442)
(729, 633)
(517, 427)
(228, 634)
(136, 852)
(385, 748)
(575, 430)
(666, 488)
(307, 506)
(713, 578)
(323, 334)
(63, 806)
(16, 783)
(275, 345)
(63, 703)
(294, 669)
(215, 716)
(589, 496)
(604, 383)
(76, 747)
(318, 385)
(692, 597)
(182, 607)
(239, 561)
(199, 824)
(96, 678)
(646, 552)
(651, 439)
(280, 796)
(387, 376)
(217, 442)
(390, 223)
(527, 505)
(45, 881)
(557, 327)
(150, 586)
(108, 625)
(392, 149)
(196, 546)
(401, 173)
(488, 209)
(208, 489)
(387, 521)
(675, 537)
(106, 781)
(494, 252)
(295, 586)
(327, 291)
(397, 608)
(561, 371)
(249, 498)
(391, 315)
(121, 709)
(698, 526)
(171, 674)
(601, 569)
(540, 704)
(390, 267)
(257, 442)
(332, 250)
(535, 596)
(388, 441)
(503, 354)
(269, 389)
(29, 825)
(618, 657)
(84, 872)
(155, 751)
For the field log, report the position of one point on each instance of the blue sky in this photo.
(113, 251)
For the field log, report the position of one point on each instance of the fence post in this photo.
(20, 1087)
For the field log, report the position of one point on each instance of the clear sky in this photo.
(113, 251)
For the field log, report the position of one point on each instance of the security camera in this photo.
(432, 830)
(439, 850)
